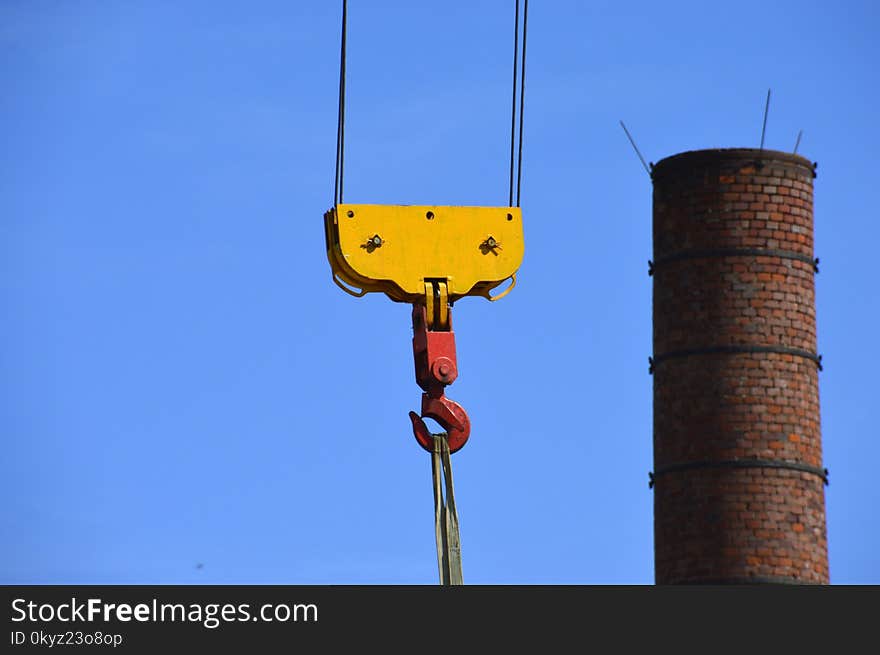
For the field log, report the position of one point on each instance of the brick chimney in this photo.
(738, 475)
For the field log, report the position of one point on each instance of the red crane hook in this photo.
(451, 417)
(436, 367)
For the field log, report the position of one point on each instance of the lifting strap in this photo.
(445, 515)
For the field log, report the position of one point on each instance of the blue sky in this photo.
(182, 383)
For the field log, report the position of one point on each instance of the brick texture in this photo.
(718, 516)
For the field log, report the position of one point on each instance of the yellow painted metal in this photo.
(397, 249)
(429, 304)
(443, 305)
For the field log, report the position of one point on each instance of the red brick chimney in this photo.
(738, 476)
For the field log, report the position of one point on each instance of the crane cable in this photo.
(522, 95)
(516, 145)
(340, 120)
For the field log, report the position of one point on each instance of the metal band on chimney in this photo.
(739, 464)
(735, 350)
(733, 252)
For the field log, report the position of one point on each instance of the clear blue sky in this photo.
(182, 383)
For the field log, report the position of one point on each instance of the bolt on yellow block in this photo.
(396, 249)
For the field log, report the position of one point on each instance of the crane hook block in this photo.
(396, 249)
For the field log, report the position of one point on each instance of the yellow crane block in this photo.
(396, 249)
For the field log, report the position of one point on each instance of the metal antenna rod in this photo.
(522, 98)
(340, 121)
(513, 102)
(798, 142)
(766, 111)
(636, 148)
